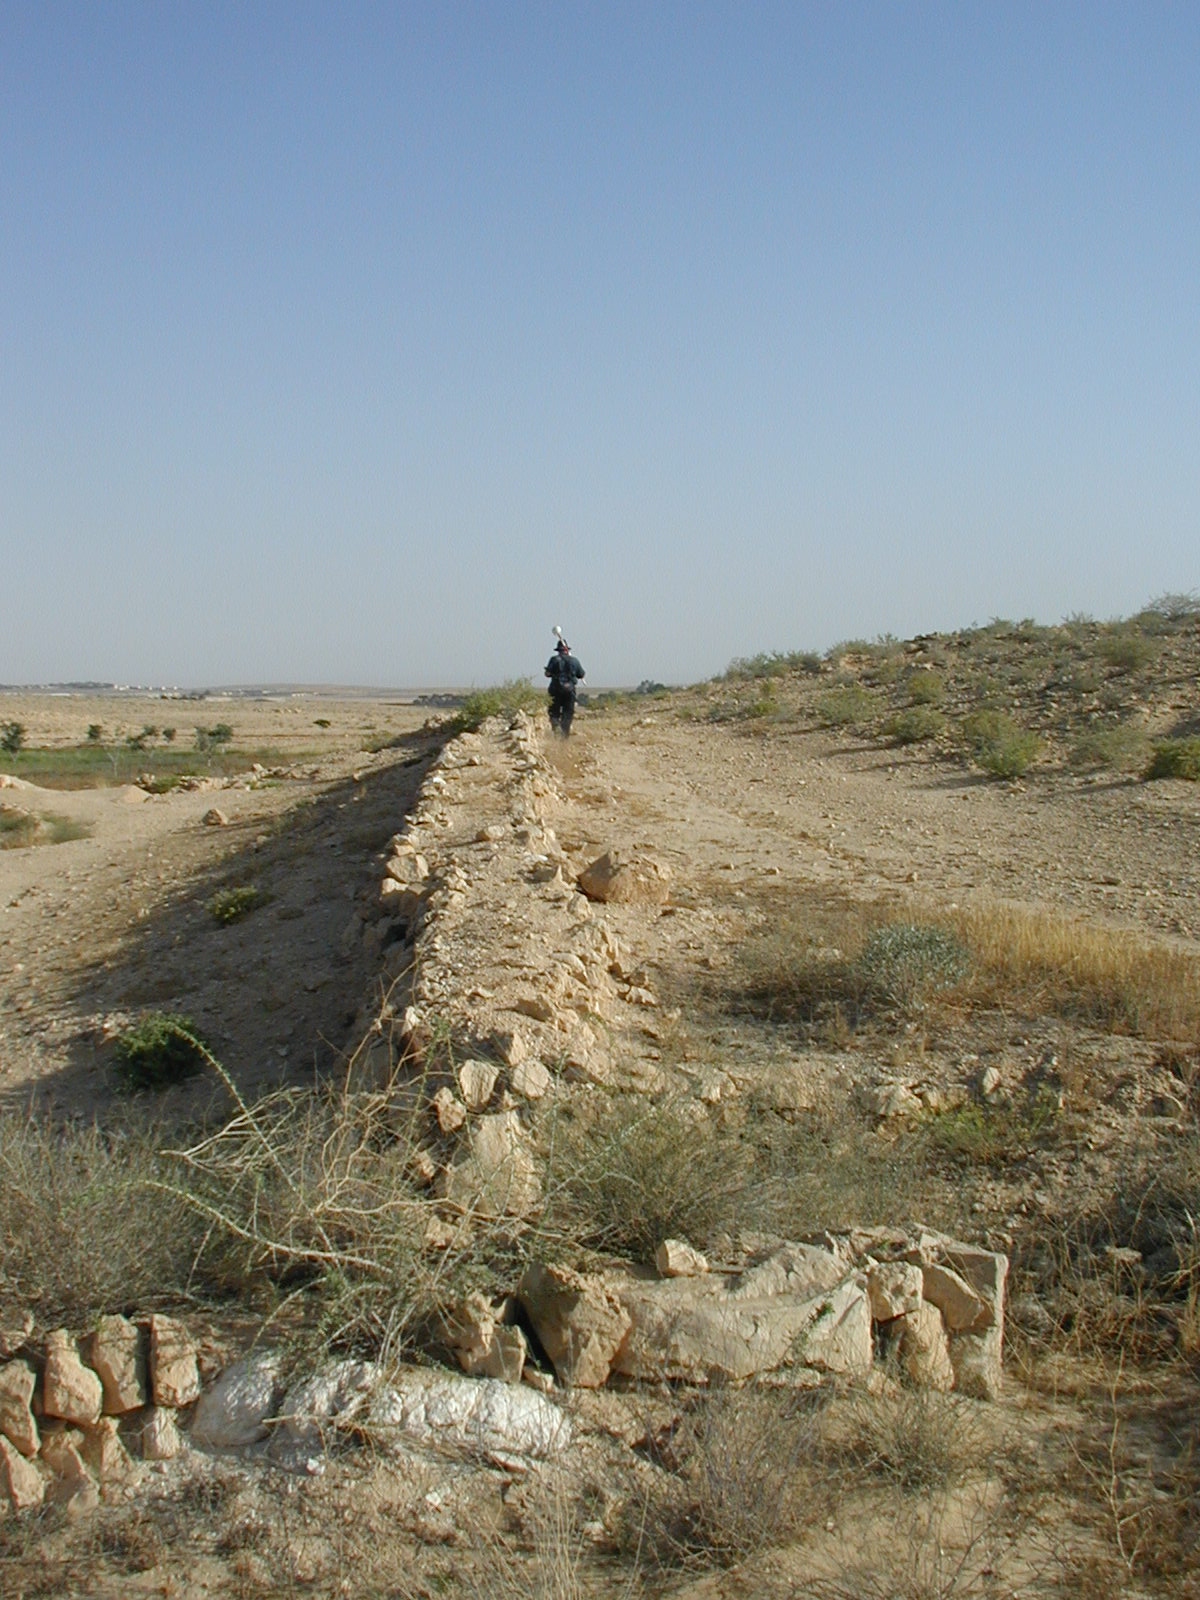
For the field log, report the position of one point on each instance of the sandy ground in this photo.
(95, 929)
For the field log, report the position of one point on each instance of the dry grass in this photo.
(1044, 963)
(820, 958)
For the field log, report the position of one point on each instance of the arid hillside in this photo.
(779, 1101)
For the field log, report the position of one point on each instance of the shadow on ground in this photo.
(274, 994)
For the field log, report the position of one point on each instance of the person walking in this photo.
(565, 673)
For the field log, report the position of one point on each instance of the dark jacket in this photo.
(564, 673)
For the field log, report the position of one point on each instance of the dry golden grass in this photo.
(817, 959)
(1046, 963)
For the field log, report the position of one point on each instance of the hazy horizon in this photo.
(363, 344)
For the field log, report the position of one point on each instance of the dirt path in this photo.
(807, 808)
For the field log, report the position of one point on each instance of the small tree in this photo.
(95, 732)
(12, 737)
(168, 735)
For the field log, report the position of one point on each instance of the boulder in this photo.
(69, 1389)
(498, 1177)
(450, 1111)
(498, 1420)
(630, 880)
(174, 1375)
(17, 1425)
(117, 1356)
(530, 1079)
(22, 1487)
(962, 1309)
(318, 1406)
(977, 1362)
(234, 1413)
(581, 1324)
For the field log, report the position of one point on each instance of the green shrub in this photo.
(12, 737)
(993, 1136)
(998, 744)
(213, 738)
(915, 724)
(95, 732)
(1175, 758)
(1127, 651)
(17, 828)
(846, 707)
(902, 965)
(231, 905)
(1121, 748)
(926, 688)
(504, 700)
(158, 1051)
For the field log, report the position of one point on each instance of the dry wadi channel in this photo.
(512, 961)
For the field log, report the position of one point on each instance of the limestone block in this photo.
(498, 1177)
(476, 1080)
(160, 1437)
(922, 1348)
(580, 1322)
(17, 1381)
(174, 1375)
(962, 1309)
(675, 1258)
(977, 1359)
(69, 1389)
(22, 1487)
(116, 1354)
(792, 1269)
(450, 1111)
(318, 1406)
(234, 1413)
(105, 1455)
(894, 1288)
(695, 1330)
(632, 880)
(531, 1079)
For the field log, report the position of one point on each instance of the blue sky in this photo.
(361, 343)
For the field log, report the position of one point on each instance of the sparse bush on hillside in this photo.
(1122, 748)
(1175, 758)
(1172, 608)
(231, 905)
(1127, 650)
(849, 706)
(774, 664)
(626, 1174)
(998, 744)
(903, 964)
(743, 1475)
(925, 688)
(12, 737)
(159, 1050)
(915, 724)
(817, 959)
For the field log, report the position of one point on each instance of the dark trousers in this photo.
(562, 711)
